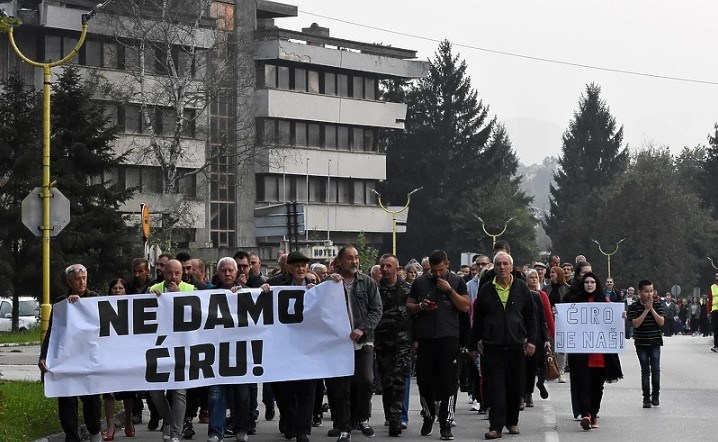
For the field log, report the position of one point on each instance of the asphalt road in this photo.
(689, 401)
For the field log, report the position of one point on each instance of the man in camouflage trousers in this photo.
(392, 341)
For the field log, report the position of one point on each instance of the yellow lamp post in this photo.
(8, 24)
(494, 235)
(608, 255)
(393, 214)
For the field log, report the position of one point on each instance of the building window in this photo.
(93, 53)
(313, 82)
(300, 80)
(283, 77)
(132, 119)
(284, 135)
(109, 55)
(315, 138)
(330, 83)
(343, 195)
(359, 193)
(343, 85)
(317, 189)
(330, 136)
(300, 134)
(357, 87)
(342, 137)
(357, 139)
(370, 89)
(270, 76)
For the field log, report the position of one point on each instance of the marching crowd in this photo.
(486, 329)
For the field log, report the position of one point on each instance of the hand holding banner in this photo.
(192, 339)
(590, 327)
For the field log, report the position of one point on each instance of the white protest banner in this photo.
(190, 339)
(590, 327)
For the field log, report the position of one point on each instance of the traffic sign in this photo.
(32, 211)
(145, 209)
(675, 291)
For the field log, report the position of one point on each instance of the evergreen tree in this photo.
(709, 174)
(496, 199)
(591, 157)
(447, 130)
(19, 153)
(82, 160)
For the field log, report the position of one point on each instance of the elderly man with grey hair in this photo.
(504, 332)
(76, 278)
(220, 394)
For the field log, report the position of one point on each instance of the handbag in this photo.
(552, 372)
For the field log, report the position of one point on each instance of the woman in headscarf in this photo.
(589, 371)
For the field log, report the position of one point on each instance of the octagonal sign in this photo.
(32, 211)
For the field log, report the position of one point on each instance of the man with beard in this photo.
(392, 341)
(172, 414)
(436, 299)
(350, 396)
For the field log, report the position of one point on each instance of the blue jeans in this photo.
(405, 405)
(650, 358)
(217, 404)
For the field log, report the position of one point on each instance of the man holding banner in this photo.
(295, 399)
(219, 394)
(76, 277)
(172, 415)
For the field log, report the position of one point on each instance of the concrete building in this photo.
(302, 110)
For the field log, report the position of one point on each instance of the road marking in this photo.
(551, 422)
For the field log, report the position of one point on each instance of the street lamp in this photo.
(494, 235)
(8, 24)
(393, 214)
(608, 255)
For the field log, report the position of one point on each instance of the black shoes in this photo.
(646, 403)
(188, 430)
(445, 432)
(269, 414)
(394, 429)
(317, 421)
(542, 390)
(365, 428)
(153, 424)
(428, 426)
(655, 402)
(302, 438)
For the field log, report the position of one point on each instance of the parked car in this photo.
(29, 313)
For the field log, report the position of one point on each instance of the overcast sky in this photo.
(536, 100)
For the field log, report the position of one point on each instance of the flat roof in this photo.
(367, 48)
(270, 9)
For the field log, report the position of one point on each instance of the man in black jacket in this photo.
(350, 396)
(436, 299)
(76, 277)
(295, 399)
(504, 332)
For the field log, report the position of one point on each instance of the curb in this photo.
(51, 438)
(20, 344)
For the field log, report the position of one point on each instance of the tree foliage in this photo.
(659, 212)
(451, 148)
(592, 156)
(82, 161)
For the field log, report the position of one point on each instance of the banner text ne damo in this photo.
(190, 339)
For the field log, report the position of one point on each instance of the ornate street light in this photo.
(608, 255)
(494, 235)
(393, 214)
